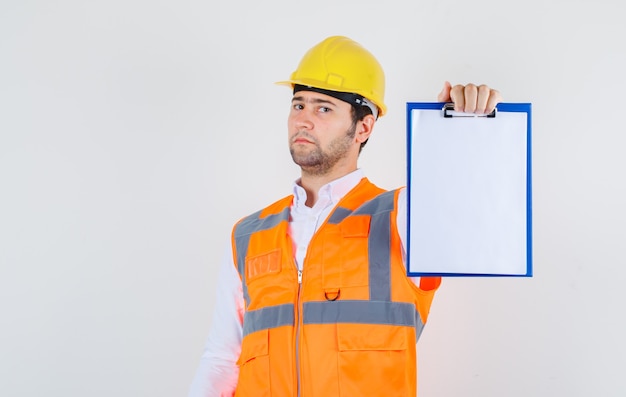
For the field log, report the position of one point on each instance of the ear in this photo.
(364, 128)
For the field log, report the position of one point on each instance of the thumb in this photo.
(444, 95)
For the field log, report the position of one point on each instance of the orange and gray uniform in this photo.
(347, 324)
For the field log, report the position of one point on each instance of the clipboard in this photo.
(469, 196)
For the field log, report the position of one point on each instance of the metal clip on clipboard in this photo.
(448, 112)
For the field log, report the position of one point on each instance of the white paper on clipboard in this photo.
(469, 192)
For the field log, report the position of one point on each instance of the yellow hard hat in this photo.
(343, 65)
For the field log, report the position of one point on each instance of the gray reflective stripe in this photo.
(244, 230)
(241, 245)
(419, 325)
(326, 312)
(338, 215)
(363, 312)
(379, 244)
(381, 203)
(268, 317)
(254, 223)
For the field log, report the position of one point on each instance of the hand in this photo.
(470, 98)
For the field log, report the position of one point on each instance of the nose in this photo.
(302, 120)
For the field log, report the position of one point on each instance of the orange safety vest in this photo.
(347, 324)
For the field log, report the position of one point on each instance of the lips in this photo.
(301, 138)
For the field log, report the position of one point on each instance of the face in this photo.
(321, 133)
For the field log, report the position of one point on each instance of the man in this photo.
(313, 298)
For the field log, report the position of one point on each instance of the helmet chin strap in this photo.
(351, 98)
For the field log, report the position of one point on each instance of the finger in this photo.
(471, 94)
(444, 95)
(494, 99)
(482, 99)
(458, 97)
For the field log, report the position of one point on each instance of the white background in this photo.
(134, 133)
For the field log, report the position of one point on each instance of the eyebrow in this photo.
(313, 100)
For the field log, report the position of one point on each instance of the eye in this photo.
(324, 109)
(298, 106)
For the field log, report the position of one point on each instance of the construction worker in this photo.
(313, 298)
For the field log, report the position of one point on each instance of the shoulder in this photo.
(276, 208)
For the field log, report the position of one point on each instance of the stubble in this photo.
(317, 161)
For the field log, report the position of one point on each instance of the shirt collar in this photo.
(332, 191)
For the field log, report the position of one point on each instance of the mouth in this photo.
(300, 138)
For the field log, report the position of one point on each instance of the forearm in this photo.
(217, 371)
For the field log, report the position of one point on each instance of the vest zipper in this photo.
(298, 321)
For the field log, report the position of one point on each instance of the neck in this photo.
(312, 182)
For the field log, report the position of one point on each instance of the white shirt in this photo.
(217, 372)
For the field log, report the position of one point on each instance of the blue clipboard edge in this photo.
(501, 107)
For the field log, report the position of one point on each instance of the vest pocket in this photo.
(353, 254)
(375, 360)
(263, 265)
(254, 367)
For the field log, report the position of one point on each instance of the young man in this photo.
(313, 298)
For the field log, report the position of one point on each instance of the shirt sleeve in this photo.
(217, 371)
